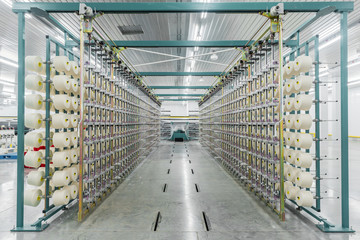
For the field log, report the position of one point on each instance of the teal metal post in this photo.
(20, 125)
(344, 122)
(345, 224)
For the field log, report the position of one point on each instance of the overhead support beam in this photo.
(179, 95)
(180, 87)
(43, 14)
(135, 45)
(182, 7)
(166, 74)
(181, 100)
(182, 43)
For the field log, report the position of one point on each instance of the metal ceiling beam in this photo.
(183, 7)
(180, 87)
(166, 74)
(179, 95)
(184, 99)
(182, 43)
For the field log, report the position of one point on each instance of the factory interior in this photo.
(179, 119)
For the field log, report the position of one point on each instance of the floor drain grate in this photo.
(157, 222)
(197, 187)
(206, 221)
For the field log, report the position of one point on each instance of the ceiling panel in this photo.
(172, 27)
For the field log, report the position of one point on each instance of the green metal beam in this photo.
(179, 95)
(180, 87)
(43, 14)
(345, 225)
(20, 127)
(180, 73)
(181, 100)
(188, 43)
(182, 43)
(182, 7)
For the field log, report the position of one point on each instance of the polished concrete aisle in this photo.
(190, 195)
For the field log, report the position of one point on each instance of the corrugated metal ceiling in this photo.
(170, 27)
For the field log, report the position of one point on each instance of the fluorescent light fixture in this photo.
(354, 64)
(7, 83)
(28, 16)
(7, 2)
(324, 74)
(203, 15)
(192, 63)
(60, 39)
(328, 43)
(9, 89)
(9, 93)
(198, 38)
(12, 64)
(196, 49)
(214, 57)
(196, 30)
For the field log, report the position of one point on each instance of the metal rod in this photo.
(170, 55)
(81, 121)
(181, 58)
(281, 69)
(317, 123)
(20, 126)
(47, 124)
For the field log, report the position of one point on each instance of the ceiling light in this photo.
(198, 38)
(196, 49)
(203, 15)
(28, 16)
(7, 2)
(328, 43)
(192, 63)
(196, 32)
(201, 79)
(354, 64)
(324, 74)
(214, 57)
(7, 83)
(12, 64)
(60, 39)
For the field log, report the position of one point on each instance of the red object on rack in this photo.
(37, 149)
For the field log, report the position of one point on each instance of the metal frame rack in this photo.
(193, 130)
(118, 92)
(119, 124)
(241, 127)
(241, 122)
(165, 130)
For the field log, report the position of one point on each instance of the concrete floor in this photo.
(130, 212)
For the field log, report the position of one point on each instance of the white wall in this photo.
(8, 111)
(175, 108)
(354, 111)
